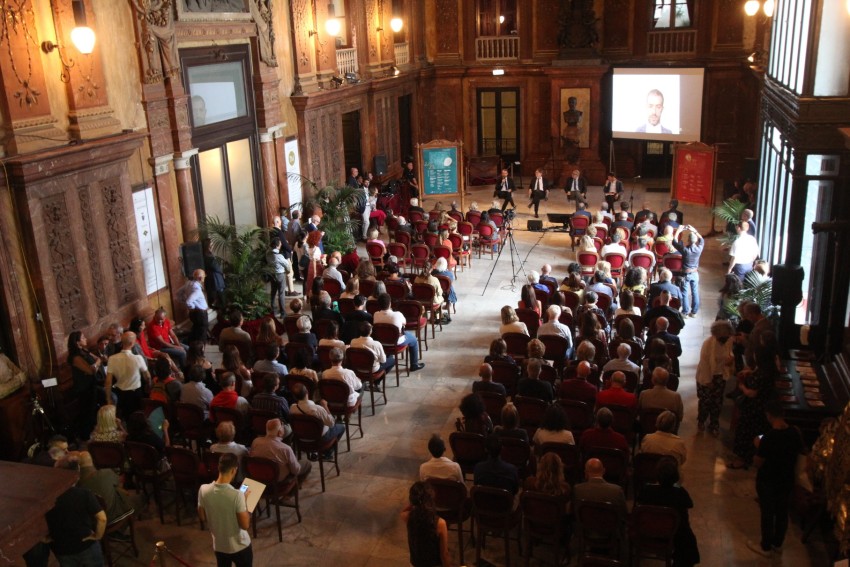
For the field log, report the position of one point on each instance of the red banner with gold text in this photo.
(693, 173)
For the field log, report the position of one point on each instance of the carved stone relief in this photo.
(261, 12)
(93, 251)
(120, 249)
(155, 28)
(214, 5)
(447, 23)
(63, 262)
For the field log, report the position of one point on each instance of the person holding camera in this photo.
(690, 267)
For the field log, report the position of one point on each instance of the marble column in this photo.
(186, 192)
(171, 237)
(270, 165)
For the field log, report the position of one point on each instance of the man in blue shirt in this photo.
(690, 267)
(495, 472)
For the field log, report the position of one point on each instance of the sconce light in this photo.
(756, 59)
(332, 25)
(498, 72)
(82, 37)
(311, 33)
(501, 19)
(751, 7)
(396, 24)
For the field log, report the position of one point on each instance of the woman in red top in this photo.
(528, 300)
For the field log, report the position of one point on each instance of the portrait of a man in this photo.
(654, 108)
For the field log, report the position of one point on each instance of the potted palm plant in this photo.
(335, 204)
(729, 214)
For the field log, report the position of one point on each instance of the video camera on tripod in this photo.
(508, 217)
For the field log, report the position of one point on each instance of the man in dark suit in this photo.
(613, 190)
(674, 208)
(662, 324)
(351, 329)
(495, 472)
(505, 189)
(576, 187)
(664, 310)
(596, 489)
(486, 384)
(646, 214)
(532, 386)
(538, 191)
(352, 178)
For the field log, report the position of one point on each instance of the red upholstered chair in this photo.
(652, 533)
(290, 324)
(598, 243)
(420, 227)
(245, 348)
(579, 416)
(258, 420)
(362, 361)
(572, 300)
(550, 285)
(108, 455)
(617, 261)
(445, 285)
(453, 505)
(556, 349)
(640, 302)
(146, 470)
(414, 315)
(467, 450)
(644, 470)
(645, 260)
(531, 412)
(473, 217)
(307, 431)
(673, 262)
(192, 425)
(467, 233)
(430, 239)
(530, 318)
(335, 393)
(599, 528)
(493, 404)
(414, 216)
(346, 306)
(277, 492)
(615, 461)
(462, 256)
(324, 352)
(402, 254)
(189, 474)
(498, 219)
(396, 289)
(376, 253)
(442, 251)
(661, 249)
(518, 453)
(578, 227)
(424, 294)
(588, 261)
(637, 322)
(292, 379)
(624, 422)
(493, 512)
(543, 298)
(517, 345)
(507, 375)
(542, 521)
(404, 237)
(367, 287)
(487, 238)
(456, 215)
(333, 287)
(388, 334)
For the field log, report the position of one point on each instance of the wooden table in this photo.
(27, 492)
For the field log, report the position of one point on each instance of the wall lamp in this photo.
(332, 25)
(82, 36)
(498, 72)
(751, 7)
(396, 23)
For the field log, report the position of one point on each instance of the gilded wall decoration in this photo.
(212, 6)
(63, 262)
(17, 25)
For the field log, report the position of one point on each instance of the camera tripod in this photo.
(511, 244)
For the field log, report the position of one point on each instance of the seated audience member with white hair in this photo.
(617, 395)
(622, 362)
(534, 279)
(486, 384)
(661, 397)
(664, 283)
(546, 274)
(273, 448)
(614, 247)
(664, 441)
(414, 206)
(441, 268)
(332, 271)
(225, 432)
(747, 217)
(439, 466)
(603, 436)
(554, 327)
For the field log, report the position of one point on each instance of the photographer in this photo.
(690, 267)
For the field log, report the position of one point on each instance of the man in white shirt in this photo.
(306, 406)
(614, 247)
(365, 340)
(196, 302)
(439, 466)
(387, 315)
(555, 327)
(337, 372)
(332, 272)
(127, 371)
(744, 251)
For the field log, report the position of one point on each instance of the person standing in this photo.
(776, 457)
(716, 365)
(744, 251)
(127, 371)
(690, 266)
(613, 190)
(76, 524)
(505, 188)
(225, 510)
(291, 237)
(282, 276)
(539, 190)
(196, 302)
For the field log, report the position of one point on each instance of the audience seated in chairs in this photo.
(509, 426)
(664, 441)
(228, 397)
(554, 428)
(475, 418)
(499, 352)
(494, 472)
(439, 466)
(273, 448)
(231, 362)
(486, 384)
(511, 323)
(603, 435)
(661, 397)
(578, 388)
(225, 432)
(269, 362)
(532, 386)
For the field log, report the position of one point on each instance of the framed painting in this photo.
(574, 118)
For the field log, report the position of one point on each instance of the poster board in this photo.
(149, 242)
(440, 169)
(694, 167)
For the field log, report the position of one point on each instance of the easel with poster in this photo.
(694, 169)
(440, 163)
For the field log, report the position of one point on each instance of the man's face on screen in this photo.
(655, 106)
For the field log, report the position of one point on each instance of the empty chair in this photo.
(493, 404)
(467, 450)
(644, 470)
(146, 470)
(653, 532)
(506, 374)
(599, 526)
(193, 426)
(543, 516)
(277, 492)
(493, 512)
(517, 345)
(118, 525)
(578, 227)
(518, 453)
(188, 477)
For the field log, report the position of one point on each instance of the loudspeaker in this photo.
(193, 257)
(535, 224)
(787, 287)
(380, 164)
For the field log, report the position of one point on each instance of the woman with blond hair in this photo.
(511, 323)
(108, 427)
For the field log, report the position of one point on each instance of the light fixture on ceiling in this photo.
(82, 36)
(332, 25)
(498, 72)
(396, 24)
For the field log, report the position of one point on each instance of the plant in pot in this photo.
(729, 213)
(336, 204)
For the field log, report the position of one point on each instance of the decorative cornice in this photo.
(161, 164)
(269, 134)
(182, 159)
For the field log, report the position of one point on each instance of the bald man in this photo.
(579, 388)
(596, 489)
(128, 372)
(546, 274)
(486, 384)
(661, 397)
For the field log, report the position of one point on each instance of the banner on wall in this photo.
(293, 165)
(149, 244)
(693, 173)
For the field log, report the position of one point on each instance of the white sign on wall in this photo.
(149, 244)
(293, 165)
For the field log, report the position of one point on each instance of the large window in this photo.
(226, 170)
(669, 14)
(498, 123)
(497, 17)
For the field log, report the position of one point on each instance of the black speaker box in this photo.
(787, 285)
(535, 224)
(193, 257)
(380, 164)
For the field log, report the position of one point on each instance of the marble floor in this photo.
(356, 522)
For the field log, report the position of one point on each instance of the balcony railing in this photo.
(672, 42)
(497, 48)
(346, 60)
(402, 54)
